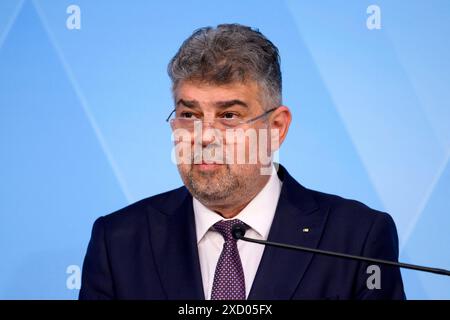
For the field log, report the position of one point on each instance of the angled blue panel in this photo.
(8, 13)
(376, 102)
(428, 242)
(424, 50)
(55, 177)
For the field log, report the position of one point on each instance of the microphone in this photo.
(238, 232)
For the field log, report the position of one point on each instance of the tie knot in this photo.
(224, 227)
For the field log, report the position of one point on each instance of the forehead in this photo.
(208, 94)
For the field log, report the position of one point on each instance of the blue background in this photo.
(82, 129)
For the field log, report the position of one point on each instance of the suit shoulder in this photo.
(349, 210)
(351, 221)
(136, 211)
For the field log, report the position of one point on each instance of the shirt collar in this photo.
(258, 214)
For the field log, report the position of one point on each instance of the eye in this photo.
(187, 115)
(230, 115)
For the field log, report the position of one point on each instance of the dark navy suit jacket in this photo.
(148, 250)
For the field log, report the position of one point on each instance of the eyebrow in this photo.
(218, 104)
(188, 103)
(230, 103)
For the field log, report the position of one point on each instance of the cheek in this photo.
(242, 147)
(184, 169)
(245, 174)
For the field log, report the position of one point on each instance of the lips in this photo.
(208, 166)
(200, 161)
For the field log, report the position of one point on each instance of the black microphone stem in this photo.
(347, 256)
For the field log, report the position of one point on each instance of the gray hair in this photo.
(226, 54)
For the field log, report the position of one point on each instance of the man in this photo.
(178, 245)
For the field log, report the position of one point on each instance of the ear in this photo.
(280, 121)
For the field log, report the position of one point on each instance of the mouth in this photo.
(208, 166)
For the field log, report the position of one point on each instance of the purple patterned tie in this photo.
(229, 282)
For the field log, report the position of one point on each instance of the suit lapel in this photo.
(174, 244)
(281, 270)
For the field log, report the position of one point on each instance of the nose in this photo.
(205, 133)
(210, 134)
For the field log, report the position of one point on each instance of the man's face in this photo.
(221, 184)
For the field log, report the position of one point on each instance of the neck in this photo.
(227, 212)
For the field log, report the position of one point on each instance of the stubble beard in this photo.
(220, 187)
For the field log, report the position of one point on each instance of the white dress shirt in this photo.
(258, 215)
